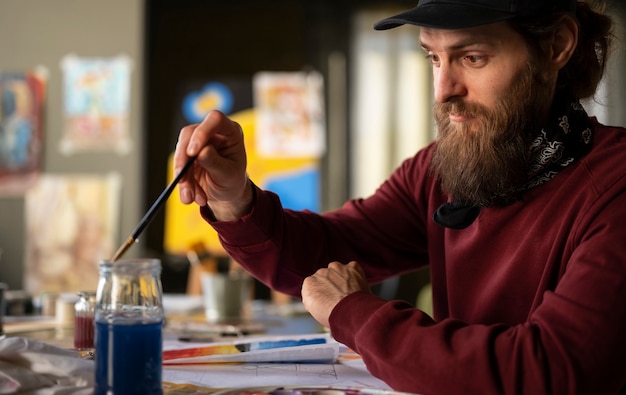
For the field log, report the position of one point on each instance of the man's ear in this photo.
(564, 43)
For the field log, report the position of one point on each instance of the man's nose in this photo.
(448, 84)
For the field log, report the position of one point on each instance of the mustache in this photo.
(460, 107)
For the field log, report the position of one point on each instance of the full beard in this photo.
(485, 162)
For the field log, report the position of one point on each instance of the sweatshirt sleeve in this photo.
(404, 347)
(254, 241)
(281, 247)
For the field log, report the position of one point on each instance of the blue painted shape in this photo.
(213, 96)
(298, 190)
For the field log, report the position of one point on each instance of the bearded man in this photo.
(518, 208)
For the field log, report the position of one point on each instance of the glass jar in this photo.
(84, 315)
(129, 321)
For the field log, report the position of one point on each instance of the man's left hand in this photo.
(323, 290)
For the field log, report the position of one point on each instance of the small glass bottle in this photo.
(84, 315)
(129, 328)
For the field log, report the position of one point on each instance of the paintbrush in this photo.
(153, 209)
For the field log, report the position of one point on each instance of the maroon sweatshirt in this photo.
(529, 299)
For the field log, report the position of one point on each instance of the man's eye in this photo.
(474, 59)
(434, 59)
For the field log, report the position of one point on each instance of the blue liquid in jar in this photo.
(128, 358)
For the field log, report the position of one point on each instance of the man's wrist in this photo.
(233, 211)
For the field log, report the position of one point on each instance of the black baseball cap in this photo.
(459, 14)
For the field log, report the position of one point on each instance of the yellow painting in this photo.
(184, 226)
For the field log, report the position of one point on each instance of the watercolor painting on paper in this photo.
(22, 97)
(71, 224)
(290, 114)
(96, 102)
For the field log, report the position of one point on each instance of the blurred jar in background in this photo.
(3, 288)
(84, 316)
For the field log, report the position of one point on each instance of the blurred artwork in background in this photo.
(71, 224)
(290, 114)
(96, 103)
(21, 129)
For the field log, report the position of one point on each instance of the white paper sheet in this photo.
(272, 374)
(345, 369)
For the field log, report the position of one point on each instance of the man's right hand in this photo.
(218, 176)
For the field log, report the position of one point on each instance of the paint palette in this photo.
(308, 391)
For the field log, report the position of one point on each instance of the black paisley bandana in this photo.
(567, 137)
